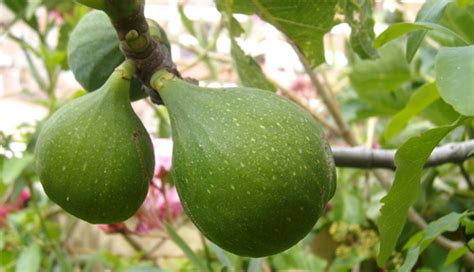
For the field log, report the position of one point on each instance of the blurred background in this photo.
(35, 80)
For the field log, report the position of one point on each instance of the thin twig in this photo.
(466, 175)
(136, 246)
(302, 104)
(325, 93)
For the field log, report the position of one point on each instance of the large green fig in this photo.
(94, 157)
(253, 170)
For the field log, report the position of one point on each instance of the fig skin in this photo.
(253, 170)
(94, 157)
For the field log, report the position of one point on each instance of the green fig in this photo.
(94, 157)
(253, 170)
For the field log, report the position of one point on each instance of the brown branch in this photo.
(361, 157)
(325, 93)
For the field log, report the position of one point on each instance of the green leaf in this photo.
(397, 30)
(409, 161)
(187, 23)
(359, 16)
(29, 260)
(431, 12)
(249, 70)
(465, 3)
(419, 100)
(455, 78)
(378, 81)
(455, 254)
(13, 167)
(434, 229)
(468, 223)
(93, 53)
(449, 222)
(221, 256)
(198, 263)
(410, 259)
(459, 20)
(304, 22)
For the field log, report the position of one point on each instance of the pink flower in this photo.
(161, 204)
(20, 203)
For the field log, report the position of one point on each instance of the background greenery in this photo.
(409, 88)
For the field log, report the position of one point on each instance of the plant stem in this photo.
(57, 250)
(326, 95)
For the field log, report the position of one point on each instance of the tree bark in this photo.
(361, 157)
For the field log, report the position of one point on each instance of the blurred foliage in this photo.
(391, 91)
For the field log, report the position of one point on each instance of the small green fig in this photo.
(253, 170)
(94, 157)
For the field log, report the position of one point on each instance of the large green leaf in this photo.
(409, 161)
(430, 12)
(455, 78)
(93, 53)
(378, 81)
(304, 22)
(419, 100)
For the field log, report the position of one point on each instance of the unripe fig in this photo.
(94, 157)
(253, 170)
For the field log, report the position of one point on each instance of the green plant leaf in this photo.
(13, 167)
(419, 100)
(410, 259)
(249, 71)
(455, 254)
(449, 222)
(459, 20)
(397, 30)
(93, 53)
(431, 12)
(455, 78)
(304, 22)
(378, 81)
(221, 256)
(465, 3)
(359, 16)
(29, 260)
(468, 223)
(409, 161)
(198, 263)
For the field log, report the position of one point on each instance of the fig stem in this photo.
(126, 69)
(158, 78)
